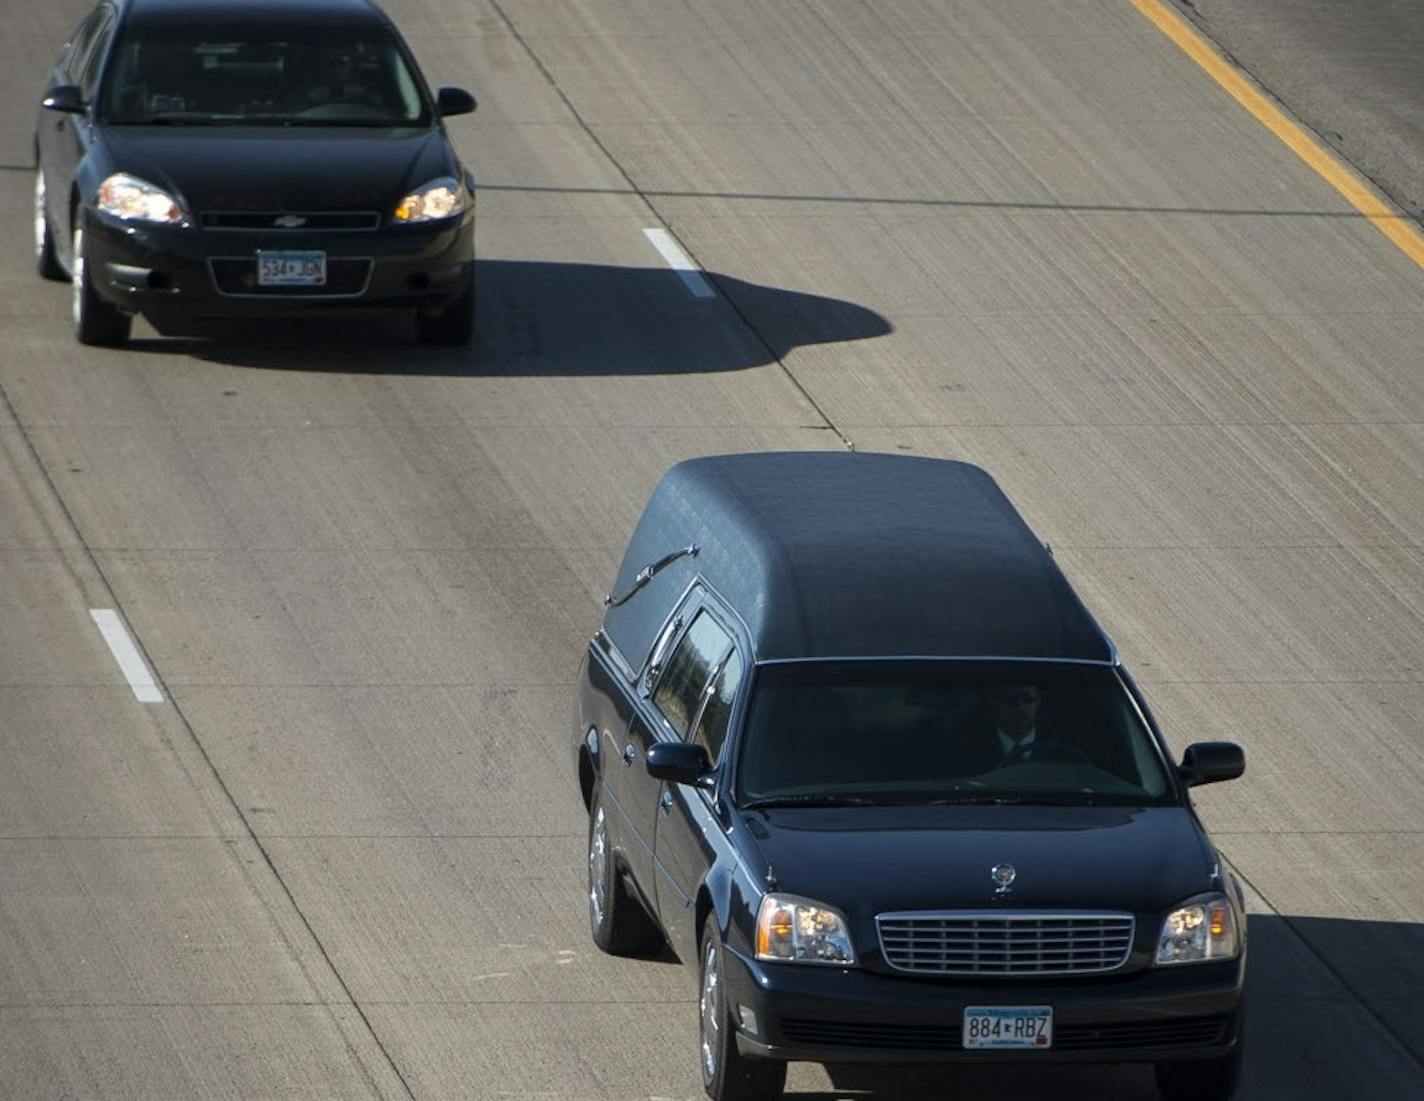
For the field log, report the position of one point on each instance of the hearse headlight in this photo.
(135, 200)
(442, 198)
(1202, 928)
(791, 929)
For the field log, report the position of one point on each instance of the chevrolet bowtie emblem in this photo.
(289, 221)
(1003, 875)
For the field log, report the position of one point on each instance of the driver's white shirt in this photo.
(1008, 743)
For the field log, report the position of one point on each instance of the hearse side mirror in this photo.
(680, 763)
(454, 101)
(64, 97)
(1210, 762)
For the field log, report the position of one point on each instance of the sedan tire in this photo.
(95, 321)
(46, 260)
(727, 1074)
(616, 918)
(455, 325)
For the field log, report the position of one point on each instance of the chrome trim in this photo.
(1006, 918)
(278, 296)
(615, 655)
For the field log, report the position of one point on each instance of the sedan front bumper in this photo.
(828, 1015)
(204, 273)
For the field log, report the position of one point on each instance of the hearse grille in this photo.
(1183, 1032)
(236, 276)
(1005, 943)
(293, 221)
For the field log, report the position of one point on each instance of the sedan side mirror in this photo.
(679, 763)
(64, 97)
(1209, 762)
(454, 101)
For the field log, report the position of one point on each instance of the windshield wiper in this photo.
(812, 800)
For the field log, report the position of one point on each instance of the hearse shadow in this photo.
(1335, 1012)
(549, 319)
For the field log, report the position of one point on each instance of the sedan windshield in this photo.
(197, 75)
(849, 733)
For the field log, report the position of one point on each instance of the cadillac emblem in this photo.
(1003, 875)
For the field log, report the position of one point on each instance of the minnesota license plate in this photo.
(1015, 1026)
(290, 268)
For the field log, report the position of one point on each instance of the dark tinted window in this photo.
(712, 727)
(960, 731)
(201, 74)
(679, 692)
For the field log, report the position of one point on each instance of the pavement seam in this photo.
(101, 580)
(645, 197)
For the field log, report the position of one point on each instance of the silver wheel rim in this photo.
(77, 282)
(709, 1005)
(597, 871)
(41, 229)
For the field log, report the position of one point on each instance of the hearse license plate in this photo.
(1014, 1026)
(291, 269)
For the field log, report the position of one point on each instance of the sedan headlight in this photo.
(1202, 928)
(134, 200)
(442, 198)
(797, 930)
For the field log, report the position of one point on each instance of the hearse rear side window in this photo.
(678, 694)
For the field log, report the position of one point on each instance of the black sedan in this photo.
(215, 158)
(850, 742)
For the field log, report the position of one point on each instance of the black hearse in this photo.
(852, 744)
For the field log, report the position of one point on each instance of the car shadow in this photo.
(549, 319)
(1335, 1012)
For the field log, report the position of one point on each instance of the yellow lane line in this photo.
(1396, 226)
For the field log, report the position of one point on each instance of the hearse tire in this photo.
(1201, 1079)
(616, 917)
(727, 1074)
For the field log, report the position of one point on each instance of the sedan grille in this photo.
(292, 221)
(1000, 943)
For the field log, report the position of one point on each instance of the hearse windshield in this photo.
(931, 731)
(202, 75)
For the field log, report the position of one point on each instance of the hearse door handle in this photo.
(665, 803)
(630, 752)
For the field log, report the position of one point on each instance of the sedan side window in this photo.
(712, 727)
(95, 59)
(78, 42)
(679, 693)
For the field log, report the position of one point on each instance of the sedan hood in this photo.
(869, 860)
(281, 168)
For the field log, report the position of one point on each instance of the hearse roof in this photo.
(838, 554)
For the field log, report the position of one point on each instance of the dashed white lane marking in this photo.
(131, 662)
(681, 263)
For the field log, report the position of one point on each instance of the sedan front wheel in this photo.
(95, 321)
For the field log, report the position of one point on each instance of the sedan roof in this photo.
(833, 554)
(242, 11)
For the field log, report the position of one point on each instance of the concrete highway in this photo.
(344, 856)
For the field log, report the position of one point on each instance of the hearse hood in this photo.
(870, 860)
(277, 169)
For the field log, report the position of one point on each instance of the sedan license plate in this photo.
(290, 268)
(1014, 1026)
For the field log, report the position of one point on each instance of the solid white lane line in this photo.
(681, 263)
(131, 662)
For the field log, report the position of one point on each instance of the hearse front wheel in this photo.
(616, 918)
(727, 1074)
(1201, 1079)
